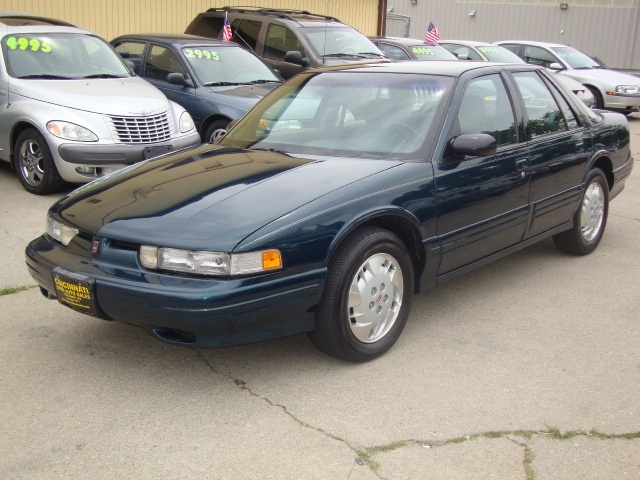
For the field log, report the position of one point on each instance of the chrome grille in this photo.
(150, 129)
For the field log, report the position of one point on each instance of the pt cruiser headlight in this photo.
(186, 122)
(71, 131)
(209, 263)
(628, 89)
(60, 232)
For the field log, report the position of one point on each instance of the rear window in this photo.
(206, 26)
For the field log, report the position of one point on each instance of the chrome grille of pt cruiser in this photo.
(149, 129)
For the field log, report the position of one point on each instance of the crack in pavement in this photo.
(241, 384)
(366, 455)
(6, 231)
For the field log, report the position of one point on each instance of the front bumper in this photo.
(626, 102)
(107, 158)
(199, 312)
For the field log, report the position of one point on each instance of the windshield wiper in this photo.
(379, 55)
(103, 75)
(342, 55)
(257, 82)
(222, 84)
(47, 76)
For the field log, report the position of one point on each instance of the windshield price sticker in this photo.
(422, 51)
(197, 53)
(488, 49)
(31, 44)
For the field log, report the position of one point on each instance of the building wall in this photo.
(607, 29)
(110, 18)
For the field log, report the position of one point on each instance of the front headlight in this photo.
(71, 131)
(60, 232)
(209, 263)
(628, 89)
(186, 122)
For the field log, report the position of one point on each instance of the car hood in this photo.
(113, 96)
(209, 197)
(603, 77)
(243, 97)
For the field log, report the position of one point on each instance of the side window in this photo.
(485, 107)
(393, 52)
(538, 56)
(568, 114)
(279, 41)
(161, 62)
(542, 109)
(464, 53)
(245, 32)
(133, 52)
(515, 48)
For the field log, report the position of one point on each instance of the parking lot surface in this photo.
(526, 368)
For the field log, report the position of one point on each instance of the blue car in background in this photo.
(215, 81)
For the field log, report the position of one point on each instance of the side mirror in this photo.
(556, 66)
(294, 56)
(176, 78)
(474, 144)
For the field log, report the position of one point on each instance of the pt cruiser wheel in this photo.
(590, 219)
(34, 163)
(367, 297)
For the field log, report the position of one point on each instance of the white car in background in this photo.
(612, 90)
(489, 52)
(71, 110)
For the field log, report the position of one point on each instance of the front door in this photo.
(482, 201)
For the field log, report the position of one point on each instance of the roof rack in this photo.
(279, 12)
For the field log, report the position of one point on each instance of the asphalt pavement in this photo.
(528, 368)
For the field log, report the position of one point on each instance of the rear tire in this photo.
(367, 297)
(590, 220)
(34, 164)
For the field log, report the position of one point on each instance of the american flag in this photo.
(433, 35)
(227, 34)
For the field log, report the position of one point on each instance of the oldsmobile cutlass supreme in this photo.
(333, 201)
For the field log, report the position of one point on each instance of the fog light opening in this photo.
(86, 170)
(174, 335)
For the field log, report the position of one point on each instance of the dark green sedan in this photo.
(339, 196)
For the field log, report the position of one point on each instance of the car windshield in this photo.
(347, 113)
(215, 64)
(340, 42)
(494, 53)
(432, 52)
(61, 56)
(575, 58)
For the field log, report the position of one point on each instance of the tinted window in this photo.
(485, 107)
(245, 32)
(538, 56)
(279, 41)
(568, 114)
(133, 52)
(462, 52)
(393, 52)
(161, 62)
(542, 109)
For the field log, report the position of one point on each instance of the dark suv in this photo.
(289, 40)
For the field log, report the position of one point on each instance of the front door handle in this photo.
(522, 166)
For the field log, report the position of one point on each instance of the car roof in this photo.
(537, 44)
(468, 43)
(435, 67)
(302, 17)
(409, 42)
(175, 38)
(25, 22)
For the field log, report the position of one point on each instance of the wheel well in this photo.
(18, 128)
(407, 232)
(604, 164)
(209, 120)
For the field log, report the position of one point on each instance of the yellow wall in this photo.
(110, 18)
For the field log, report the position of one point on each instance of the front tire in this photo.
(215, 131)
(34, 164)
(598, 97)
(367, 297)
(590, 220)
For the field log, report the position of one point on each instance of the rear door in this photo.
(559, 149)
(482, 202)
